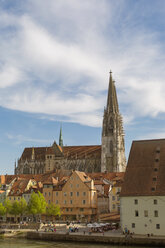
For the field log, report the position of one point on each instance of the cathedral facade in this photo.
(110, 156)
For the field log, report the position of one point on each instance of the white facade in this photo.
(143, 214)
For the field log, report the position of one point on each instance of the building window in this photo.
(49, 201)
(136, 201)
(156, 213)
(77, 193)
(84, 193)
(133, 225)
(136, 213)
(49, 193)
(145, 213)
(71, 193)
(154, 179)
(113, 198)
(67, 209)
(56, 201)
(56, 193)
(155, 202)
(152, 189)
(77, 185)
(113, 206)
(83, 201)
(81, 209)
(118, 198)
(155, 169)
(64, 201)
(70, 201)
(71, 209)
(157, 226)
(156, 160)
(71, 185)
(65, 194)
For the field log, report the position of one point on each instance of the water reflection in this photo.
(23, 243)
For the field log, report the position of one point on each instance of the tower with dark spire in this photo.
(113, 148)
(61, 138)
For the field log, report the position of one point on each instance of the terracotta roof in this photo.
(107, 175)
(67, 151)
(145, 171)
(39, 153)
(82, 151)
(18, 187)
(83, 176)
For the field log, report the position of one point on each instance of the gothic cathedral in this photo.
(110, 156)
(113, 148)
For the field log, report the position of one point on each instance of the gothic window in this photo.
(111, 146)
(111, 125)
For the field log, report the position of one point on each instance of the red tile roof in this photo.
(145, 171)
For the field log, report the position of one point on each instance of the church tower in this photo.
(113, 148)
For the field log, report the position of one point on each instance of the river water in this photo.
(23, 243)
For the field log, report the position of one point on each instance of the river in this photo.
(23, 243)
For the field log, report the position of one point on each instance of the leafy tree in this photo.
(2, 210)
(15, 208)
(7, 204)
(53, 210)
(37, 204)
(22, 207)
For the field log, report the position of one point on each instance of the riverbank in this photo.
(95, 238)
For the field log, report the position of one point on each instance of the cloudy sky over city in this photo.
(55, 58)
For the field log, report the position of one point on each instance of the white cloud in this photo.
(56, 62)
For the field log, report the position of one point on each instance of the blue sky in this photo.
(55, 58)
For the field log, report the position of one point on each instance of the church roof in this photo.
(145, 171)
(68, 151)
(82, 151)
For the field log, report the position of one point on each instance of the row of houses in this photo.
(80, 196)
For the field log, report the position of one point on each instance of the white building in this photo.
(143, 191)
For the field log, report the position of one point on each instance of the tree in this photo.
(7, 204)
(15, 208)
(22, 207)
(2, 210)
(53, 210)
(37, 204)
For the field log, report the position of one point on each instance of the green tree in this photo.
(15, 209)
(22, 207)
(53, 210)
(7, 204)
(2, 210)
(37, 204)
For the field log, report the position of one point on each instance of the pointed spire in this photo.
(60, 137)
(112, 103)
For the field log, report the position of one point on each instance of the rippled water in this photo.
(23, 243)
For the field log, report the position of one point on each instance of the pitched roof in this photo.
(82, 151)
(19, 187)
(145, 171)
(67, 151)
(106, 175)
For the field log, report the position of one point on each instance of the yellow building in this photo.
(77, 197)
(114, 195)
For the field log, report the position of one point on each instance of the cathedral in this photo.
(110, 156)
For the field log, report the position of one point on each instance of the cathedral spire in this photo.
(112, 103)
(60, 137)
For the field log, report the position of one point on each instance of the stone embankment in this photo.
(119, 240)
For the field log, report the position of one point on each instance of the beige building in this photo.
(110, 156)
(143, 190)
(77, 197)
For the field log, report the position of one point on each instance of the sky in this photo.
(55, 58)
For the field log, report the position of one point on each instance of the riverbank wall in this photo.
(139, 241)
